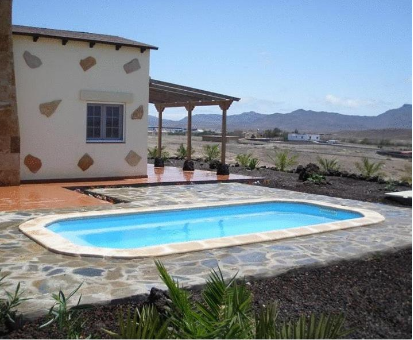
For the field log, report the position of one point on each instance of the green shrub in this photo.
(68, 319)
(211, 152)
(407, 174)
(316, 179)
(145, 324)
(181, 152)
(366, 141)
(246, 160)
(253, 163)
(153, 153)
(385, 142)
(243, 159)
(390, 186)
(276, 132)
(328, 164)
(282, 159)
(314, 327)
(8, 305)
(223, 311)
(369, 169)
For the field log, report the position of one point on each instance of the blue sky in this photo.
(347, 56)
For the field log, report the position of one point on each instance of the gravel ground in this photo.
(338, 186)
(374, 293)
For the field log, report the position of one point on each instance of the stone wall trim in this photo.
(85, 162)
(138, 113)
(49, 108)
(132, 66)
(31, 60)
(132, 158)
(33, 163)
(87, 63)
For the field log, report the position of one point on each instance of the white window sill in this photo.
(105, 141)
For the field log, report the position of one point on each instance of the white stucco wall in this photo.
(60, 140)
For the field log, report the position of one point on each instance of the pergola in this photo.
(164, 95)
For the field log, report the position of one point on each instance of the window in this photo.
(104, 123)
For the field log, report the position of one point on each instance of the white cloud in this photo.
(348, 102)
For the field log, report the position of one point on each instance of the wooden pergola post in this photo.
(164, 95)
(189, 107)
(224, 106)
(158, 162)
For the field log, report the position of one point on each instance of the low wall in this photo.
(218, 139)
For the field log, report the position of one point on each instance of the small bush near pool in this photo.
(247, 160)
(225, 311)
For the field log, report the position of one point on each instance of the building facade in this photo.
(82, 105)
(303, 137)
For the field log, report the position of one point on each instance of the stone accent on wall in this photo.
(31, 60)
(133, 158)
(132, 66)
(138, 113)
(33, 163)
(49, 108)
(85, 162)
(87, 63)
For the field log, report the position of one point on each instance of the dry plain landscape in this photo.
(346, 154)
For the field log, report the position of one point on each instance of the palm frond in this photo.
(243, 159)
(328, 164)
(282, 159)
(144, 324)
(265, 322)
(211, 152)
(314, 327)
(368, 168)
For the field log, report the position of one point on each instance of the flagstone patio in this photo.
(42, 272)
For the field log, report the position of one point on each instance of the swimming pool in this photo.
(154, 232)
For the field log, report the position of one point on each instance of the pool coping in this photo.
(36, 229)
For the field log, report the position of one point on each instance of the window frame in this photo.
(122, 129)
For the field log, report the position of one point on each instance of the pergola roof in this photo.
(164, 95)
(174, 95)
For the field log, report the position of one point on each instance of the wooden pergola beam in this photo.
(165, 95)
(197, 103)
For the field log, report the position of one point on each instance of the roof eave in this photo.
(50, 36)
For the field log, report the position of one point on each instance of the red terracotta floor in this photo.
(56, 195)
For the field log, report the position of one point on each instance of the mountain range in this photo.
(302, 120)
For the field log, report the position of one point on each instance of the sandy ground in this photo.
(347, 155)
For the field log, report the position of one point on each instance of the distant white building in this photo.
(304, 137)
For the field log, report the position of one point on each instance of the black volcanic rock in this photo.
(309, 170)
(188, 166)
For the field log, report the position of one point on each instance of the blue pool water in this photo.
(155, 228)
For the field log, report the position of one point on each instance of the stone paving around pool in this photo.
(42, 272)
